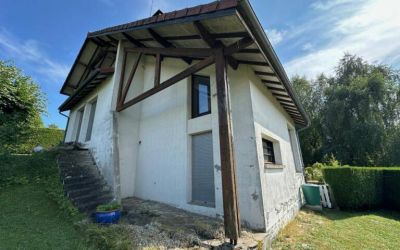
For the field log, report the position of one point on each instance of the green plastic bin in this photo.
(311, 194)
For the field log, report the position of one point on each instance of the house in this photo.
(191, 108)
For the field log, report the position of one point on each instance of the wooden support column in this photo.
(228, 168)
(157, 72)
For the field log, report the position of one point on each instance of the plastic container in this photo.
(311, 194)
(110, 217)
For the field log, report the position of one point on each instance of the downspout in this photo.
(66, 128)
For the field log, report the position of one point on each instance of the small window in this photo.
(268, 148)
(78, 122)
(91, 119)
(201, 104)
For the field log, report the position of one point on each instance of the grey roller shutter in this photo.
(202, 169)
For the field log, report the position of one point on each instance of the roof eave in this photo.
(249, 16)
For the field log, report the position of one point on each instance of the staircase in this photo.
(82, 181)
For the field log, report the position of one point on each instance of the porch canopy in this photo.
(225, 32)
(213, 25)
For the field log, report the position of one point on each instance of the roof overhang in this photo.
(219, 23)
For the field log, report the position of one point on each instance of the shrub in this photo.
(391, 186)
(314, 172)
(363, 187)
(108, 207)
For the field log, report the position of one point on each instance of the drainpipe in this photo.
(66, 128)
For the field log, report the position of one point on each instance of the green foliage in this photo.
(45, 137)
(354, 114)
(114, 237)
(21, 103)
(364, 187)
(314, 173)
(39, 168)
(108, 207)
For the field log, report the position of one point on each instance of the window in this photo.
(203, 191)
(268, 148)
(201, 104)
(295, 149)
(78, 122)
(91, 119)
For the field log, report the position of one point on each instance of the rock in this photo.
(38, 149)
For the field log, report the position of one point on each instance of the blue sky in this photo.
(43, 37)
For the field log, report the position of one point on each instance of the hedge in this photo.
(45, 137)
(364, 187)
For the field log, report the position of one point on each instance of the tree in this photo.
(53, 126)
(354, 114)
(21, 103)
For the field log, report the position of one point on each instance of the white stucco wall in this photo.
(280, 186)
(145, 150)
(101, 142)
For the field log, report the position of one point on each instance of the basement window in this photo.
(268, 149)
(201, 102)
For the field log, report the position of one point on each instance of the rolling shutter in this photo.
(202, 169)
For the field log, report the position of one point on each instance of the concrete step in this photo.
(91, 206)
(87, 198)
(86, 190)
(84, 184)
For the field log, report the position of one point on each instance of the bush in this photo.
(45, 137)
(364, 187)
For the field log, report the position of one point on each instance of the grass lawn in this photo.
(31, 216)
(30, 220)
(334, 229)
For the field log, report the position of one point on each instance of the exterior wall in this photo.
(247, 168)
(280, 186)
(101, 143)
(155, 139)
(145, 150)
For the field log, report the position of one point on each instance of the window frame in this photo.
(195, 97)
(90, 121)
(268, 151)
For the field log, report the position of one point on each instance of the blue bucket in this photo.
(110, 217)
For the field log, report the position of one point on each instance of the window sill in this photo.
(273, 165)
(202, 204)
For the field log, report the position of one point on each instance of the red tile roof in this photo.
(197, 10)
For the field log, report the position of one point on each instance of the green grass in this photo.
(30, 220)
(34, 214)
(334, 229)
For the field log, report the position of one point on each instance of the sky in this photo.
(43, 37)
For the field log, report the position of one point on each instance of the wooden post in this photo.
(228, 168)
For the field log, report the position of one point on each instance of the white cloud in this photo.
(327, 4)
(275, 36)
(307, 47)
(29, 53)
(371, 30)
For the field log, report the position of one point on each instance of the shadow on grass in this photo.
(337, 214)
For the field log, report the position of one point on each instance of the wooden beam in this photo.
(261, 73)
(133, 40)
(162, 41)
(195, 37)
(171, 81)
(272, 82)
(249, 51)
(280, 95)
(194, 52)
(213, 43)
(255, 63)
(112, 39)
(130, 78)
(238, 46)
(228, 168)
(277, 89)
(157, 71)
